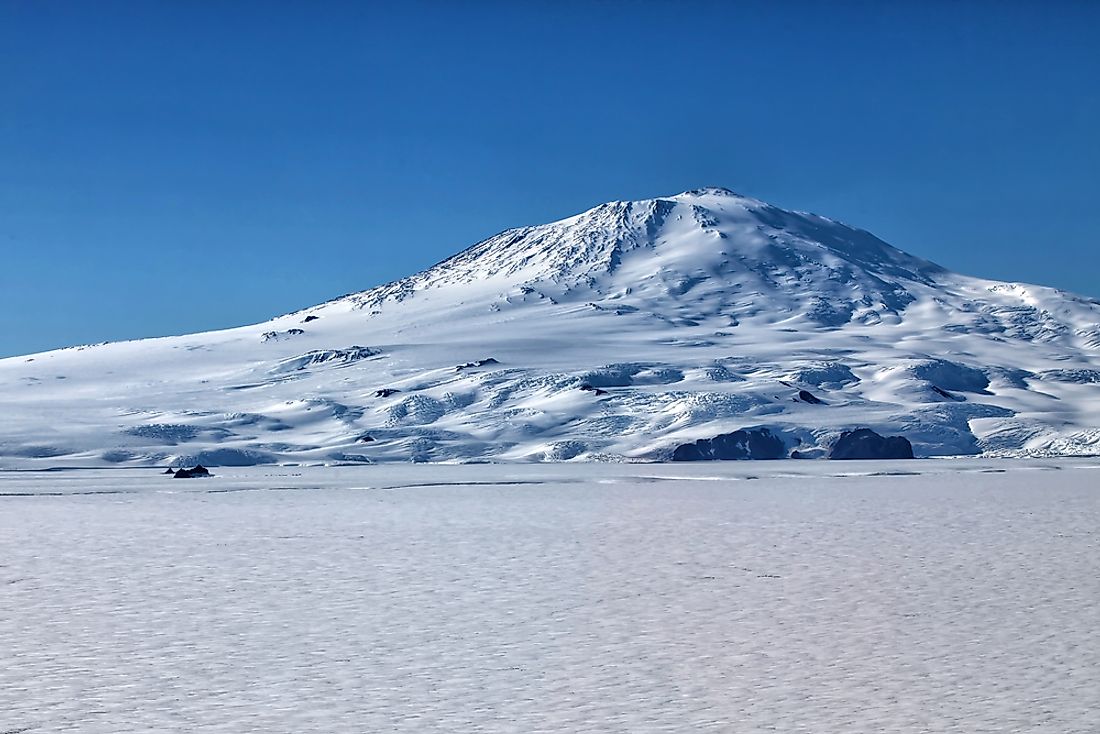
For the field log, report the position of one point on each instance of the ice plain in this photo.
(929, 596)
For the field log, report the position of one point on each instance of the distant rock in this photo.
(594, 390)
(268, 336)
(385, 392)
(309, 318)
(808, 397)
(476, 363)
(750, 443)
(863, 443)
(195, 472)
(365, 438)
(944, 394)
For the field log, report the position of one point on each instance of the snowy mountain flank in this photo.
(623, 333)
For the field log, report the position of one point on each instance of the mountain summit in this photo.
(628, 331)
(708, 255)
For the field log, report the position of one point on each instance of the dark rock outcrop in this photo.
(195, 472)
(749, 443)
(594, 390)
(386, 392)
(277, 335)
(944, 394)
(808, 397)
(476, 363)
(863, 443)
(309, 318)
(365, 438)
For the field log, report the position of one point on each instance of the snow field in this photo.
(746, 596)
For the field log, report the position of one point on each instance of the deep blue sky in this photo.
(172, 167)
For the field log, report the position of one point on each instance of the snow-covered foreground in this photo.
(735, 597)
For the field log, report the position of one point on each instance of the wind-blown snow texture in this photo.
(747, 597)
(619, 333)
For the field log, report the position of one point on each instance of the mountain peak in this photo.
(700, 251)
(710, 191)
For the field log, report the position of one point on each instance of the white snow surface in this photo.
(696, 314)
(937, 596)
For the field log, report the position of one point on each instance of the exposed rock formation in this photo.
(750, 443)
(197, 471)
(863, 443)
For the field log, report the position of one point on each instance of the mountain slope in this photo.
(621, 332)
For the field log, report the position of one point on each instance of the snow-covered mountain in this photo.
(619, 333)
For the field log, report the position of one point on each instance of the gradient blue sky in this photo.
(173, 167)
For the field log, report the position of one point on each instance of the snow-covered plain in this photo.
(932, 596)
(685, 317)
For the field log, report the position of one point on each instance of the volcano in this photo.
(621, 333)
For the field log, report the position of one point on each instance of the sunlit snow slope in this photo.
(621, 332)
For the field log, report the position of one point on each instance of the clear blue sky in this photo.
(168, 167)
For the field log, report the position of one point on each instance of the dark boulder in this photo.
(944, 394)
(386, 392)
(863, 443)
(365, 438)
(594, 390)
(309, 318)
(476, 363)
(750, 443)
(808, 397)
(195, 472)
